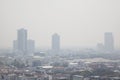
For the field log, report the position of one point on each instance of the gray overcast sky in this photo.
(79, 22)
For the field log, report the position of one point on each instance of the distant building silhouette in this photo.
(22, 40)
(55, 42)
(15, 45)
(108, 41)
(30, 46)
(100, 47)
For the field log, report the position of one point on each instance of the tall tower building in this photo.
(108, 41)
(55, 42)
(22, 40)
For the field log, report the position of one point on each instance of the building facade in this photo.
(22, 40)
(108, 41)
(55, 42)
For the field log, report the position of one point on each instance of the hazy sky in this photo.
(79, 22)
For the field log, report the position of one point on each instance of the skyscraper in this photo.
(30, 46)
(55, 42)
(108, 41)
(22, 40)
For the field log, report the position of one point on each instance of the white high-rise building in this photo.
(108, 41)
(55, 42)
(22, 40)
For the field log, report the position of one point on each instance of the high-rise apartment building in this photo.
(108, 41)
(55, 42)
(22, 40)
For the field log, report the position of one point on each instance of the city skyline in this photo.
(81, 23)
(108, 41)
(59, 39)
(25, 45)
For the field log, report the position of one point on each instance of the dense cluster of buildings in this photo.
(56, 64)
(59, 68)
